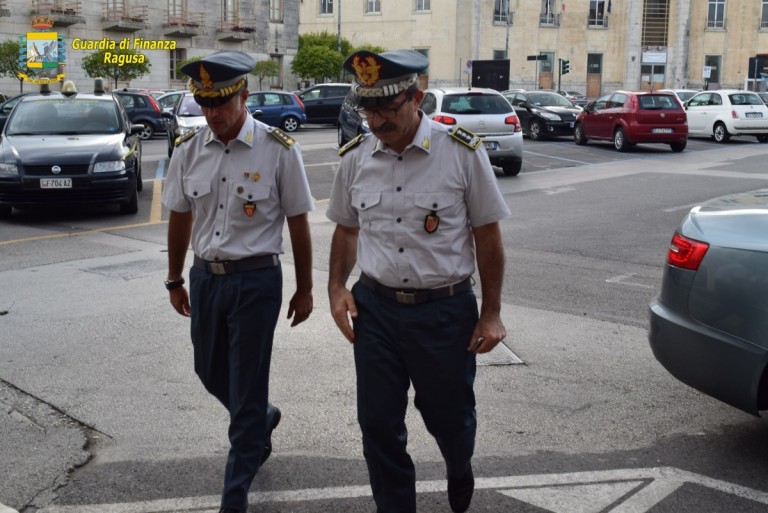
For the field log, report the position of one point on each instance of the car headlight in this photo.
(110, 166)
(8, 169)
(181, 130)
(549, 116)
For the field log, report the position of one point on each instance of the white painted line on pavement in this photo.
(6, 509)
(585, 491)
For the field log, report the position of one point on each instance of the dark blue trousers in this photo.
(396, 345)
(233, 323)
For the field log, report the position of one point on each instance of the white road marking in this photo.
(622, 279)
(585, 492)
(6, 509)
(557, 158)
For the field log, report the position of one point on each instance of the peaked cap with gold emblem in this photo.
(217, 77)
(380, 77)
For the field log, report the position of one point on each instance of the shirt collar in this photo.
(245, 135)
(422, 139)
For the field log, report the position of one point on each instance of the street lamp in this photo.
(506, 48)
(338, 30)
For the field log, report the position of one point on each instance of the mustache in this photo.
(384, 128)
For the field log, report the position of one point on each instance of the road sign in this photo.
(707, 72)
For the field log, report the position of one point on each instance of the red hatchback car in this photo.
(627, 118)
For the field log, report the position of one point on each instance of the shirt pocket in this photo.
(368, 206)
(436, 201)
(251, 194)
(196, 189)
(440, 204)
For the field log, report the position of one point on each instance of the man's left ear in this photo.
(418, 96)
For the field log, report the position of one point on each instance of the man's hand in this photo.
(300, 307)
(180, 300)
(488, 333)
(343, 310)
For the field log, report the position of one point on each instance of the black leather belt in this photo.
(415, 296)
(236, 266)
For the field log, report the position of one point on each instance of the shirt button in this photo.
(434, 205)
(362, 205)
(221, 206)
(224, 179)
(399, 189)
(226, 151)
(217, 234)
(401, 250)
(194, 193)
(399, 219)
(405, 280)
(399, 158)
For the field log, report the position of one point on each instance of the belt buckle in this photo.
(408, 298)
(217, 268)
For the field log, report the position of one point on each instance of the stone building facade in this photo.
(609, 44)
(265, 29)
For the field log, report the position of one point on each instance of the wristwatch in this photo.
(174, 284)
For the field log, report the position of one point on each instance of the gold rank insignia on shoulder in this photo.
(185, 137)
(351, 144)
(466, 137)
(282, 137)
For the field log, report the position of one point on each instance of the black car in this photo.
(143, 110)
(350, 123)
(543, 113)
(7, 106)
(67, 149)
(322, 102)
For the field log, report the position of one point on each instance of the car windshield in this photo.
(658, 102)
(745, 99)
(475, 103)
(685, 95)
(188, 107)
(64, 116)
(548, 100)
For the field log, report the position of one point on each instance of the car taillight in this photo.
(686, 253)
(734, 114)
(513, 120)
(446, 120)
(153, 103)
(298, 100)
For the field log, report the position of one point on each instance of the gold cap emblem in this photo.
(367, 70)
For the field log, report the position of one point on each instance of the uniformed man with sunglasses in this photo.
(417, 208)
(230, 189)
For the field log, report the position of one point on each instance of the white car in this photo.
(486, 113)
(723, 113)
(682, 94)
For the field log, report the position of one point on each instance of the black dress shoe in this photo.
(460, 491)
(273, 419)
(231, 510)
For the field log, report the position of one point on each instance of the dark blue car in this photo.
(279, 109)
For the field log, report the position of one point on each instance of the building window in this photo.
(764, 15)
(655, 23)
(716, 14)
(548, 16)
(501, 12)
(499, 55)
(275, 10)
(714, 62)
(176, 56)
(422, 5)
(597, 13)
(372, 6)
(326, 6)
(229, 10)
(176, 9)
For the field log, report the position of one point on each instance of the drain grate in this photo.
(130, 270)
(500, 355)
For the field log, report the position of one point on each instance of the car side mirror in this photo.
(257, 113)
(167, 114)
(136, 128)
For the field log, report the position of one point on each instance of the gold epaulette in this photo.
(466, 137)
(351, 144)
(282, 137)
(185, 137)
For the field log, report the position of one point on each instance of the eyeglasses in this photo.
(384, 112)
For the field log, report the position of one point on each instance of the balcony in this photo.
(235, 30)
(549, 20)
(501, 18)
(764, 24)
(715, 24)
(598, 21)
(188, 24)
(127, 19)
(63, 12)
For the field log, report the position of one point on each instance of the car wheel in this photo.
(620, 140)
(290, 124)
(677, 147)
(578, 135)
(720, 133)
(132, 205)
(5, 212)
(762, 138)
(147, 132)
(341, 139)
(534, 130)
(512, 168)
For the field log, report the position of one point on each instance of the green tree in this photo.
(325, 39)
(265, 69)
(369, 47)
(183, 63)
(99, 64)
(9, 62)
(317, 62)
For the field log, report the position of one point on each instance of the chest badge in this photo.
(431, 222)
(256, 176)
(249, 208)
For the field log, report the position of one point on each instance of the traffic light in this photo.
(564, 68)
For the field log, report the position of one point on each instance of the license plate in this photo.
(661, 131)
(754, 114)
(55, 183)
(491, 145)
